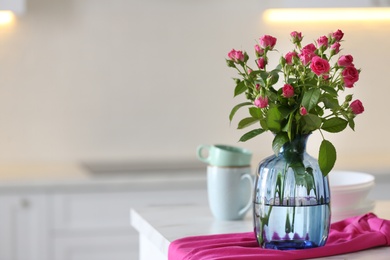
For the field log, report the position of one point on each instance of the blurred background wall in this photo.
(146, 81)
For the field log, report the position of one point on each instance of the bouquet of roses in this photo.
(313, 76)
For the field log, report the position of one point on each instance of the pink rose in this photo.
(267, 41)
(345, 61)
(303, 111)
(319, 66)
(261, 63)
(335, 48)
(236, 55)
(310, 48)
(289, 57)
(350, 76)
(357, 107)
(288, 90)
(305, 57)
(259, 51)
(338, 35)
(261, 102)
(307, 53)
(296, 37)
(323, 41)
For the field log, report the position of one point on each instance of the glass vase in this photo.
(291, 207)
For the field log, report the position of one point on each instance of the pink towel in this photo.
(346, 236)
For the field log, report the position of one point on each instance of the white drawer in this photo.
(92, 210)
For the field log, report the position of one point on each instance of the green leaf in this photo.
(310, 98)
(351, 123)
(272, 95)
(247, 122)
(237, 107)
(278, 142)
(326, 157)
(263, 75)
(286, 111)
(330, 102)
(263, 123)
(260, 81)
(334, 125)
(278, 68)
(289, 127)
(329, 90)
(240, 88)
(273, 77)
(319, 111)
(254, 73)
(310, 123)
(291, 80)
(255, 112)
(251, 134)
(274, 118)
(230, 63)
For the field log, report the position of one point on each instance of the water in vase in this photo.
(293, 227)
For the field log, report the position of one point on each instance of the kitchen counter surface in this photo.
(156, 231)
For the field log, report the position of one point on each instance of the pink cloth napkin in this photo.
(346, 236)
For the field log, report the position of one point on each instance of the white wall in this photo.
(85, 80)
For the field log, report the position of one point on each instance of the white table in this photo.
(158, 225)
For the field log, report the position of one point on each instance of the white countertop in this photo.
(164, 223)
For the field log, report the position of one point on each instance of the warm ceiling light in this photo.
(326, 14)
(6, 17)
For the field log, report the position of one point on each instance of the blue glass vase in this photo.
(291, 208)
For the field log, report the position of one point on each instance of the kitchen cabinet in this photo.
(52, 226)
(95, 248)
(23, 227)
(82, 217)
(95, 225)
(92, 226)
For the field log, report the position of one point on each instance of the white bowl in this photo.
(363, 208)
(348, 189)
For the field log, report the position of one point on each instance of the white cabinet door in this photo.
(93, 226)
(91, 211)
(94, 248)
(23, 227)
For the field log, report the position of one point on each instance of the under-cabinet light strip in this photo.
(326, 14)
